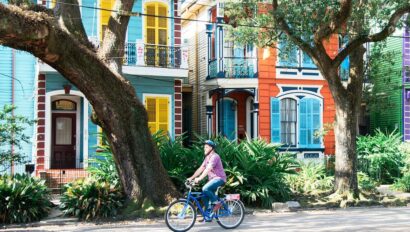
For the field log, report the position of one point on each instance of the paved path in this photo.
(358, 219)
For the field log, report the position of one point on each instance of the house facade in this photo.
(244, 91)
(64, 137)
(390, 106)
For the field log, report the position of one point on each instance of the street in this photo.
(358, 219)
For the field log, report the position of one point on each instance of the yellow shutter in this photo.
(156, 28)
(105, 15)
(158, 113)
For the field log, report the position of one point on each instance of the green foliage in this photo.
(98, 196)
(91, 198)
(379, 156)
(102, 167)
(365, 182)
(23, 199)
(403, 183)
(12, 136)
(179, 161)
(311, 179)
(254, 168)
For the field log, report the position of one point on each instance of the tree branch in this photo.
(284, 26)
(69, 18)
(338, 20)
(112, 49)
(361, 39)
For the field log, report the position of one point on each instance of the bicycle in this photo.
(181, 214)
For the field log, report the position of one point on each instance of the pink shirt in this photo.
(217, 171)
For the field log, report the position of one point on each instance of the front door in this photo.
(63, 141)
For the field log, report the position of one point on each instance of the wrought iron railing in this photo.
(152, 55)
(234, 67)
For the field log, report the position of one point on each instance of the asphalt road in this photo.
(357, 219)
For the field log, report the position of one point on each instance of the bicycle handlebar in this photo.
(189, 184)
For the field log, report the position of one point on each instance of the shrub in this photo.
(403, 183)
(179, 161)
(23, 199)
(254, 168)
(102, 167)
(365, 182)
(91, 198)
(379, 156)
(311, 179)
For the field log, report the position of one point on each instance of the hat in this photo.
(210, 143)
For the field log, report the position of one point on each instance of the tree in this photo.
(309, 24)
(58, 38)
(11, 137)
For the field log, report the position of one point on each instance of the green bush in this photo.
(23, 199)
(179, 161)
(403, 183)
(91, 198)
(311, 179)
(365, 182)
(379, 156)
(102, 167)
(254, 168)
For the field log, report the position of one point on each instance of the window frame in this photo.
(298, 95)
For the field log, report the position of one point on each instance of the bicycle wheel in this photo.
(180, 216)
(231, 214)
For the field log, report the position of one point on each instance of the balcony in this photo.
(152, 55)
(234, 68)
(148, 60)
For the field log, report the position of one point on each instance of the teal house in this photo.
(64, 137)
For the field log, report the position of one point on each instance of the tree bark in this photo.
(120, 114)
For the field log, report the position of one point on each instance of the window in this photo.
(293, 57)
(158, 113)
(156, 34)
(288, 121)
(295, 122)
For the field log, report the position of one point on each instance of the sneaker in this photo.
(217, 206)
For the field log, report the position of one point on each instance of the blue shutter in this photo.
(310, 122)
(307, 62)
(227, 122)
(275, 120)
(303, 124)
(291, 58)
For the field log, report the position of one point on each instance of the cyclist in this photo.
(211, 166)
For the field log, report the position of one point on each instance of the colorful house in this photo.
(64, 137)
(390, 102)
(245, 91)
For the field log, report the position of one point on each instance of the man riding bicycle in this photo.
(211, 166)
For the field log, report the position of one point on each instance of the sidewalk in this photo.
(385, 189)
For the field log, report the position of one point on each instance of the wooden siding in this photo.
(386, 107)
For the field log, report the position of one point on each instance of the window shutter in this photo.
(303, 123)
(150, 104)
(275, 120)
(309, 122)
(163, 113)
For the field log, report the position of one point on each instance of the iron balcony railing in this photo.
(154, 55)
(234, 67)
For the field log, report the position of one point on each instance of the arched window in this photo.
(288, 121)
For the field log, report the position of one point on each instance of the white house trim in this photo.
(74, 96)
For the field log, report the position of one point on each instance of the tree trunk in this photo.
(121, 115)
(345, 138)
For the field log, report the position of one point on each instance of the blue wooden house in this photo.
(64, 138)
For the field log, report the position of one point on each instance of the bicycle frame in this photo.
(205, 214)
